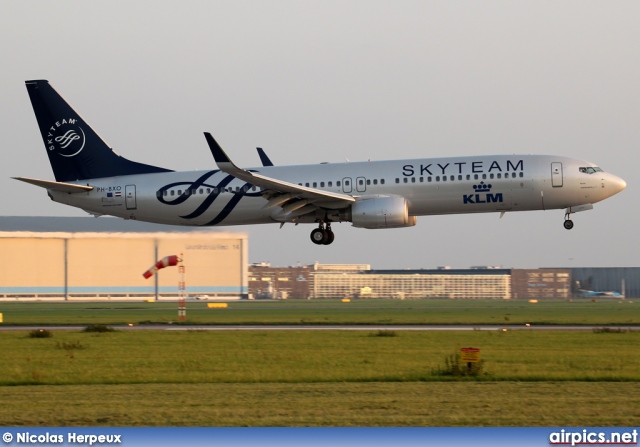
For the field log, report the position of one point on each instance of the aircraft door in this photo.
(556, 174)
(346, 185)
(361, 184)
(130, 197)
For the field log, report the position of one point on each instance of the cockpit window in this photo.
(590, 170)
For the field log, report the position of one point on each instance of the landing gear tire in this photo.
(319, 236)
(330, 237)
(568, 224)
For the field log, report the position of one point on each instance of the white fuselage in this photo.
(454, 185)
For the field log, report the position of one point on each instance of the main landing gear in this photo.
(323, 234)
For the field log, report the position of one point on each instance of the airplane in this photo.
(593, 293)
(373, 194)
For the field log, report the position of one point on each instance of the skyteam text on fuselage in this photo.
(373, 194)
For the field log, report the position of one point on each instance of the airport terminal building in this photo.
(325, 281)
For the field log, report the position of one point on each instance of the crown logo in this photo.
(482, 187)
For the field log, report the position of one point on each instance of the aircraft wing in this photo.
(277, 186)
(56, 186)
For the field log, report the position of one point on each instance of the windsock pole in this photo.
(169, 261)
(182, 292)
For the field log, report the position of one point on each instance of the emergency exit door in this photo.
(556, 174)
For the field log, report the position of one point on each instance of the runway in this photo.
(333, 327)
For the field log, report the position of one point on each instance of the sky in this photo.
(314, 81)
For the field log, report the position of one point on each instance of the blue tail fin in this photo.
(75, 151)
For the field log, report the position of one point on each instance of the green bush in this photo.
(70, 346)
(608, 330)
(40, 333)
(383, 333)
(455, 367)
(98, 328)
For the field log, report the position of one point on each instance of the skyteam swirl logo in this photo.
(205, 181)
(66, 138)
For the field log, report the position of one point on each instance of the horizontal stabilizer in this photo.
(56, 186)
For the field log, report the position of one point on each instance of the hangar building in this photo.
(54, 265)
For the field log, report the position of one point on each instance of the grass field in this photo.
(321, 378)
(341, 378)
(622, 312)
(564, 404)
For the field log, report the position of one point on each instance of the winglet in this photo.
(224, 162)
(263, 157)
(217, 152)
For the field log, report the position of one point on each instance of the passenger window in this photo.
(459, 177)
(315, 184)
(330, 184)
(321, 184)
(413, 179)
(444, 178)
(513, 175)
(475, 176)
(368, 182)
(382, 181)
(179, 192)
(360, 182)
(437, 178)
(346, 183)
(522, 174)
(172, 192)
(421, 179)
(306, 184)
(499, 175)
(429, 179)
(490, 175)
(405, 180)
(453, 177)
(484, 176)
(468, 176)
(375, 181)
(338, 183)
(397, 180)
(164, 193)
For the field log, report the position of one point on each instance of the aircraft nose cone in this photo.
(617, 184)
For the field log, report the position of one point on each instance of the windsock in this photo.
(167, 261)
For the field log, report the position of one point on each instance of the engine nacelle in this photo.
(381, 212)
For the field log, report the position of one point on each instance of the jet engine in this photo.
(381, 212)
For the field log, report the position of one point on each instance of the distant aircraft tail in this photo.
(75, 151)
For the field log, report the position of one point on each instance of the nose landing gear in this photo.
(568, 223)
(323, 234)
